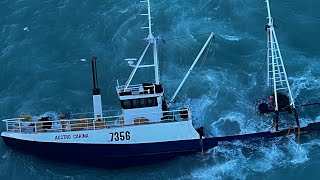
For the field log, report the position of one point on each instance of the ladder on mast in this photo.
(276, 72)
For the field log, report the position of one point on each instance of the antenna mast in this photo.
(151, 40)
(276, 72)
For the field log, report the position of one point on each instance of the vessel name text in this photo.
(68, 136)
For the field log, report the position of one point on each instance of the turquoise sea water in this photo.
(42, 71)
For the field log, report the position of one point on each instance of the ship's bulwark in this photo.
(126, 155)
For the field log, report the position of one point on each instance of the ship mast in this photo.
(151, 41)
(276, 73)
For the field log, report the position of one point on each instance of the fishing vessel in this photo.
(147, 130)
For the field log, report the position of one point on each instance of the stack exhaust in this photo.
(96, 92)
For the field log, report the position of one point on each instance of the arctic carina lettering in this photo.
(74, 136)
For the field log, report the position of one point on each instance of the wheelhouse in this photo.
(141, 102)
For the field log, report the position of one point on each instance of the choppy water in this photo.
(41, 71)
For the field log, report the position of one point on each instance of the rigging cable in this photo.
(262, 66)
(204, 57)
(184, 37)
(206, 54)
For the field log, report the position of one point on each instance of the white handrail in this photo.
(16, 125)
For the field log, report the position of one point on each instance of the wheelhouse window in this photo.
(143, 102)
(139, 103)
(135, 103)
(126, 104)
(152, 102)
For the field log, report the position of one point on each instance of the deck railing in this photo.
(137, 89)
(24, 125)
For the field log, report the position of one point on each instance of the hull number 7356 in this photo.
(120, 136)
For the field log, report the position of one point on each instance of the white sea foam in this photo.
(303, 82)
(245, 157)
(298, 152)
(220, 171)
(230, 117)
(230, 37)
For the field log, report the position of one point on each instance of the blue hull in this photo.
(125, 155)
(107, 155)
